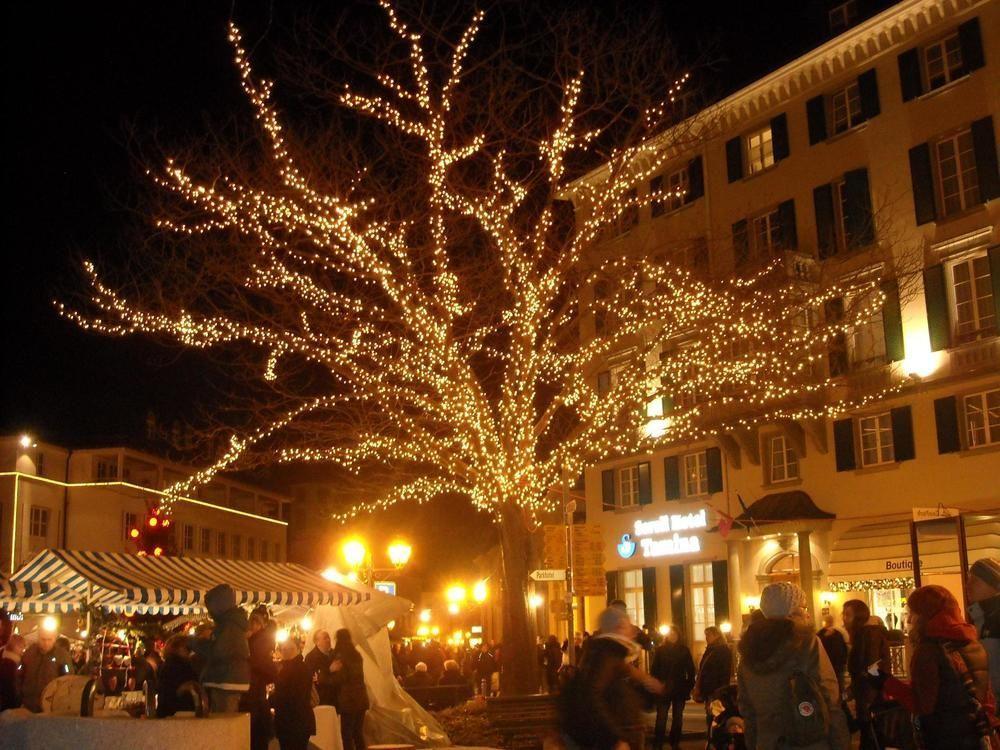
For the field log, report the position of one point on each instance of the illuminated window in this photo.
(957, 176)
(876, 440)
(695, 474)
(973, 312)
(675, 185)
(633, 596)
(866, 342)
(783, 463)
(760, 150)
(702, 599)
(39, 524)
(628, 486)
(845, 108)
(982, 419)
(943, 62)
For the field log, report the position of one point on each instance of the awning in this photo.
(163, 585)
(879, 555)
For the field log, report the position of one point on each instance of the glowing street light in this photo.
(480, 592)
(455, 593)
(453, 608)
(354, 552)
(399, 553)
(26, 441)
(50, 624)
(425, 615)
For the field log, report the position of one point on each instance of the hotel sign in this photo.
(664, 536)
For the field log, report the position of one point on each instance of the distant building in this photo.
(52, 496)
(888, 130)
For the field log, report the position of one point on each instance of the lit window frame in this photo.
(981, 321)
(881, 451)
(758, 146)
(628, 486)
(989, 414)
(947, 64)
(779, 447)
(695, 466)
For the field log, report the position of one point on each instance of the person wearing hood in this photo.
(773, 650)
(226, 674)
(869, 645)
(352, 701)
(984, 593)
(949, 689)
(599, 708)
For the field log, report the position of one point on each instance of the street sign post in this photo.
(554, 574)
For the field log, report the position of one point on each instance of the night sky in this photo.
(79, 76)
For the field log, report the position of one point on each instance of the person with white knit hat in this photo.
(774, 652)
(984, 593)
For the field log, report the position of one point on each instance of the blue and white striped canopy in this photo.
(57, 580)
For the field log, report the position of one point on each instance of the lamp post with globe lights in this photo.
(361, 562)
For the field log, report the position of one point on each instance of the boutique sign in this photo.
(664, 536)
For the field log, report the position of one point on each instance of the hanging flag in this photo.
(725, 524)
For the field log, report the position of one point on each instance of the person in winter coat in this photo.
(869, 644)
(263, 672)
(352, 695)
(772, 650)
(715, 670)
(294, 721)
(318, 660)
(41, 663)
(984, 593)
(552, 661)
(226, 674)
(452, 674)
(674, 667)
(174, 672)
(949, 689)
(419, 678)
(486, 666)
(835, 646)
(10, 673)
(599, 708)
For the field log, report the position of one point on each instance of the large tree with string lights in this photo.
(415, 289)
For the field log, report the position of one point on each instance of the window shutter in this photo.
(720, 592)
(603, 382)
(734, 159)
(994, 257)
(826, 238)
(892, 323)
(902, 433)
(868, 91)
(985, 146)
(648, 598)
(843, 444)
(741, 242)
(713, 467)
(696, 180)
(946, 422)
(936, 299)
(834, 313)
(645, 490)
(608, 489)
(816, 116)
(858, 220)
(779, 137)
(672, 477)
(786, 217)
(971, 42)
(678, 600)
(611, 582)
(666, 405)
(909, 74)
(923, 183)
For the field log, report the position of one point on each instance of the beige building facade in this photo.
(877, 147)
(51, 496)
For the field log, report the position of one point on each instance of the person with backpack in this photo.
(949, 690)
(984, 593)
(788, 692)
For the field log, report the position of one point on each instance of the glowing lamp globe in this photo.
(425, 615)
(455, 593)
(134, 533)
(354, 552)
(480, 592)
(153, 520)
(399, 553)
(50, 624)
(453, 608)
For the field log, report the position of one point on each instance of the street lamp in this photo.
(480, 592)
(399, 553)
(455, 593)
(354, 552)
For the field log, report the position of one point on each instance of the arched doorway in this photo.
(784, 566)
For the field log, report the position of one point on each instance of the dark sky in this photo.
(78, 74)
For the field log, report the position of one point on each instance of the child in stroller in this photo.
(726, 730)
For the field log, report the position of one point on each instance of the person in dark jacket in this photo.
(486, 666)
(552, 655)
(175, 671)
(10, 673)
(318, 660)
(42, 662)
(294, 721)
(674, 667)
(599, 708)
(949, 689)
(869, 644)
(984, 593)
(452, 674)
(835, 646)
(418, 678)
(348, 672)
(226, 674)
(263, 672)
(715, 670)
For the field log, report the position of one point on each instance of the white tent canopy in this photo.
(57, 580)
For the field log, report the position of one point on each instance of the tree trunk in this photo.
(520, 663)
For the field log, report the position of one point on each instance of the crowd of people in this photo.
(238, 664)
(796, 687)
(428, 664)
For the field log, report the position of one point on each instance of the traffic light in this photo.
(154, 536)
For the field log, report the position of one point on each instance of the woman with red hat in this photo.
(949, 689)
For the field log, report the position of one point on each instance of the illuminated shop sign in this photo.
(664, 536)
